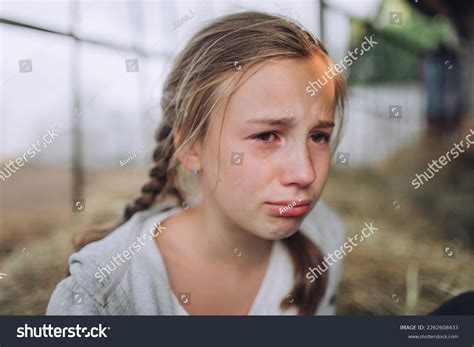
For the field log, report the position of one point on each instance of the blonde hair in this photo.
(202, 78)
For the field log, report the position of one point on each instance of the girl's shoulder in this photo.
(98, 268)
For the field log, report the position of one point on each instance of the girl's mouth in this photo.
(289, 209)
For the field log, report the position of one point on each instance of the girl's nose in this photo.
(298, 168)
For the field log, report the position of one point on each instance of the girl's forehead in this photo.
(281, 85)
(276, 88)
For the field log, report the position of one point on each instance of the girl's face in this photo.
(272, 154)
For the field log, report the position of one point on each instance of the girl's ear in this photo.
(190, 157)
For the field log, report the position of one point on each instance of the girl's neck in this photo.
(217, 238)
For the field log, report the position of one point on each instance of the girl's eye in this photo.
(320, 137)
(263, 137)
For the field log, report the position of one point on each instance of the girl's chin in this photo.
(278, 235)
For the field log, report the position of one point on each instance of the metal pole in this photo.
(322, 8)
(76, 121)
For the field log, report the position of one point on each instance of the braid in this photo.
(304, 253)
(160, 180)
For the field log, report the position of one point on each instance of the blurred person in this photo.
(443, 79)
(236, 114)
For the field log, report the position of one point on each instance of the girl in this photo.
(237, 115)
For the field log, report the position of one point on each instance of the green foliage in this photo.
(396, 58)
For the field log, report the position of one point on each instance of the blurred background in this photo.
(93, 70)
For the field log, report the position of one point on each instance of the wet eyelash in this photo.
(325, 136)
(258, 136)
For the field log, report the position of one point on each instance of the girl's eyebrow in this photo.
(288, 121)
(273, 121)
(325, 124)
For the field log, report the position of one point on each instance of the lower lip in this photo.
(296, 211)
